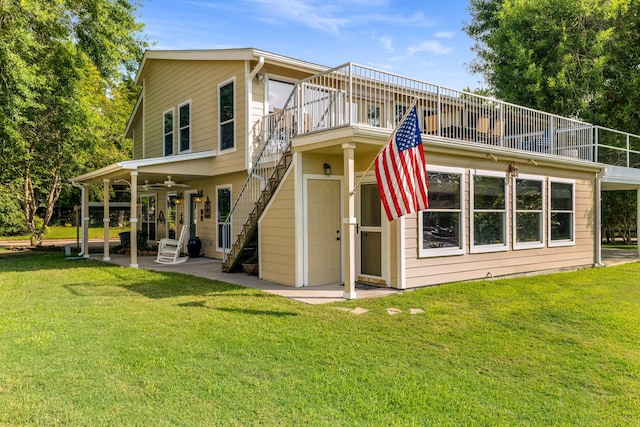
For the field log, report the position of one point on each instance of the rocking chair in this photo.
(169, 249)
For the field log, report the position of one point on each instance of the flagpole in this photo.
(414, 103)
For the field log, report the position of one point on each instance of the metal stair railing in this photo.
(267, 170)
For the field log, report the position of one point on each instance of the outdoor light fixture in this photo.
(327, 169)
(199, 196)
(178, 199)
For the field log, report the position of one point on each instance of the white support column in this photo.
(133, 220)
(85, 220)
(598, 222)
(349, 221)
(638, 220)
(105, 220)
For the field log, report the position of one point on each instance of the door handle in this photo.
(357, 228)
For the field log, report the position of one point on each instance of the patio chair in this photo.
(169, 249)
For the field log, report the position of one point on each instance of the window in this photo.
(373, 115)
(442, 224)
(227, 114)
(561, 212)
(528, 212)
(278, 94)
(184, 126)
(167, 131)
(489, 212)
(223, 203)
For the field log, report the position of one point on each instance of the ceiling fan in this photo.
(168, 183)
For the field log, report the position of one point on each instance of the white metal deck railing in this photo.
(351, 95)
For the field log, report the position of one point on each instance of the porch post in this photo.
(85, 220)
(105, 220)
(133, 220)
(349, 221)
(598, 222)
(638, 220)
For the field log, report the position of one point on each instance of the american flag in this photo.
(401, 170)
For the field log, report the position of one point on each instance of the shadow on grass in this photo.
(257, 312)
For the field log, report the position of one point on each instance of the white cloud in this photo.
(432, 46)
(387, 43)
(445, 34)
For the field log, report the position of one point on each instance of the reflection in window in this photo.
(561, 212)
(489, 212)
(528, 211)
(184, 127)
(223, 202)
(167, 130)
(441, 224)
(373, 116)
(227, 114)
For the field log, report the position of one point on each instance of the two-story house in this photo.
(269, 157)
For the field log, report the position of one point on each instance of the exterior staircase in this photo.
(273, 139)
(245, 243)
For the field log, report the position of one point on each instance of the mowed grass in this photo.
(86, 343)
(61, 232)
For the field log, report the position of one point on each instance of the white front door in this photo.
(371, 247)
(324, 232)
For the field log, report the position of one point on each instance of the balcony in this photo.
(354, 95)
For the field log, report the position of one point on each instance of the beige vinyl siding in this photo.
(138, 149)
(170, 83)
(437, 270)
(277, 236)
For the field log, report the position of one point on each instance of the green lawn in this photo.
(86, 343)
(60, 232)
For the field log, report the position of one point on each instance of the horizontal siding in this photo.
(277, 236)
(171, 83)
(437, 270)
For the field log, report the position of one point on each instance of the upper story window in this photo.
(226, 97)
(184, 126)
(561, 212)
(442, 225)
(488, 211)
(167, 131)
(528, 212)
(279, 92)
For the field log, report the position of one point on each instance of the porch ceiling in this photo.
(182, 167)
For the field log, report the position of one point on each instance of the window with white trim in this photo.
(488, 211)
(184, 126)
(223, 208)
(528, 208)
(562, 207)
(167, 132)
(442, 225)
(226, 108)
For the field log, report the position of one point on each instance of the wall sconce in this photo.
(161, 218)
(178, 199)
(327, 169)
(513, 170)
(199, 196)
(207, 208)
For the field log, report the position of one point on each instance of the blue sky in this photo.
(421, 39)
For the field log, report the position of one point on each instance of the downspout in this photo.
(82, 198)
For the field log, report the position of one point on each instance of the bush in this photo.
(11, 216)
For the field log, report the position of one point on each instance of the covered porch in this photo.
(163, 174)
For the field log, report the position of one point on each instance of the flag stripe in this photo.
(401, 171)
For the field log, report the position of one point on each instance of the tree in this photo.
(64, 69)
(551, 55)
